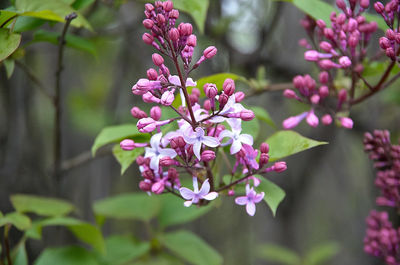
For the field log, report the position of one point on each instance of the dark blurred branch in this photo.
(83, 158)
(269, 88)
(34, 79)
(57, 98)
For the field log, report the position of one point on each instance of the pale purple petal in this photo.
(154, 163)
(236, 124)
(149, 152)
(246, 139)
(210, 141)
(186, 193)
(197, 149)
(182, 97)
(242, 200)
(199, 132)
(195, 185)
(187, 203)
(251, 208)
(235, 147)
(205, 188)
(211, 196)
(225, 133)
(190, 82)
(155, 140)
(174, 79)
(248, 190)
(259, 197)
(217, 119)
(168, 152)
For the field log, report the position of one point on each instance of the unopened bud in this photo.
(155, 113)
(364, 3)
(247, 115)
(346, 122)
(168, 5)
(167, 98)
(152, 74)
(210, 52)
(172, 173)
(167, 161)
(323, 91)
(280, 167)
(192, 41)
(148, 23)
(239, 96)
(173, 34)
(379, 7)
(210, 90)
(315, 99)
(288, 93)
(312, 119)
(127, 145)
(207, 155)
(345, 61)
(264, 158)
(207, 104)
(229, 86)
(158, 187)
(146, 125)
(144, 186)
(341, 4)
(298, 81)
(223, 99)
(147, 38)
(157, 59)
(326, 119)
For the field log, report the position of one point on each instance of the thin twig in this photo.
(83, 158)
(34, 79)
(57, 97)
(7, 244)
(270, 88)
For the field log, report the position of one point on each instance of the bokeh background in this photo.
(329, 188)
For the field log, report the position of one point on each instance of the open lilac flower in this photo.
(237, 139)
(198, 138)
(195, 195)
(174, 79)
(156, 152)
(250, 200)
(231, 107)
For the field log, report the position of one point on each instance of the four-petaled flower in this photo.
(198, 138)
(195, 195)
(156, 152)
(237, 139)
(250, 200)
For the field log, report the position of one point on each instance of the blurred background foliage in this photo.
(329, 189)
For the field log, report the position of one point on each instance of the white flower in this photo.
(237, 139)
(198, 138)
(156, 152)
(195, 195)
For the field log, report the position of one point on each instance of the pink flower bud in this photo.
(397, 38)
(231, 193)
(146, 125)
(148, 23)
(167, 98)
(321, 24)
(160, 19)
(341, 19)
(155, 113)
(207, 155)
(140, 160)
(352, 24)
(223, 98)
(185, 29)
(312, 119)
(210, 52)
(341, 4)
(149, 98)
(292, 122)
(264, 148)
(192, 41)
(247, 115)
(359, 68)
(174, 14)
(152, 74)
(168, 6)
(309, 82)
(315, 99)
(384, 43)
(158, 187)
(138, 113)
(207, 104)
(173, 34)
(390, 53)
(127, 145)
(345, 61)
(196, 92)
(280, 167)
(323, 91)
(328, 64)
(157, 59)
(329, 34)
(379, 7)
(229, 86)
(364, 4)
(298, 82)
(390, 34)
(288, 93)
(346, 122)
(144, 186)
(210, 90)
(311, 55)
(167, 161)
(149, 7)
(325, 46)
(342, 95)
(147, 38)
(172, 173)
(239, 96)
(326, 119)
(324, 77)
(178, 142)
(264, 158)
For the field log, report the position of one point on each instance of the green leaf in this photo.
(263, 115)
(6, 17)
(286, 143)
(41, 205)
(115, 134)
(123, 249)
(9, 64)
(133, 206)
(275, 253)
(55, 10)
(126, 158)
(9, 42)
(251, 127)
(196, 8)
(273, 193)
(27, 23)
(66, 256)
(172, 212)
(20, 258)
(20, 221)
(72, 41)
(191, 248)
(80, 4)
(217, 79)
(321, 254)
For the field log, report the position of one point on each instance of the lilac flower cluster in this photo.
(198, 132)
(390, 13)
(382, 240)
(343, 46)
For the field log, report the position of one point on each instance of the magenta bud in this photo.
(146, 125)
(157, 59)
(207, 155)
(384, 43)
(390, 34)
(172, 173)
(127, 145)
(223, 99)
(288, 93)
(390, 53)
(174, 14)
(298, 82)
(166, 161)
(207, 104)
(329, 34)
(158, 187)
(173, 34)
(148, 174)
(341, 4)
(359, 68)
(193, 99)
(229, 86)
(264, 158)
(147, 38)
(315, 99)
(247, 115)
(280, 167)
(140, 160)
(167, 98)
(168, 6)
(155, 113)
(160, 19)
(326, 119)
(138, 113)
(152, 74)
(342, 95)
(185, 29)
(311, 55)
(379, 7)
(364, 4)
(328, 64)
(292, 122)
(352, 24)
(210, 90)
(239, 96)
(210, 52)
(312, 119)
(346, 122)
(178, 142)
(144, 186)
(321, 24)
(231, 193)
(192, 41)
(264, 148)
(323, 91)
(397, 38)
(149, 7)
(345, 61)
(325, 46)
(196, 92)
(148, 23)
(324, 77)
(341, 19)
